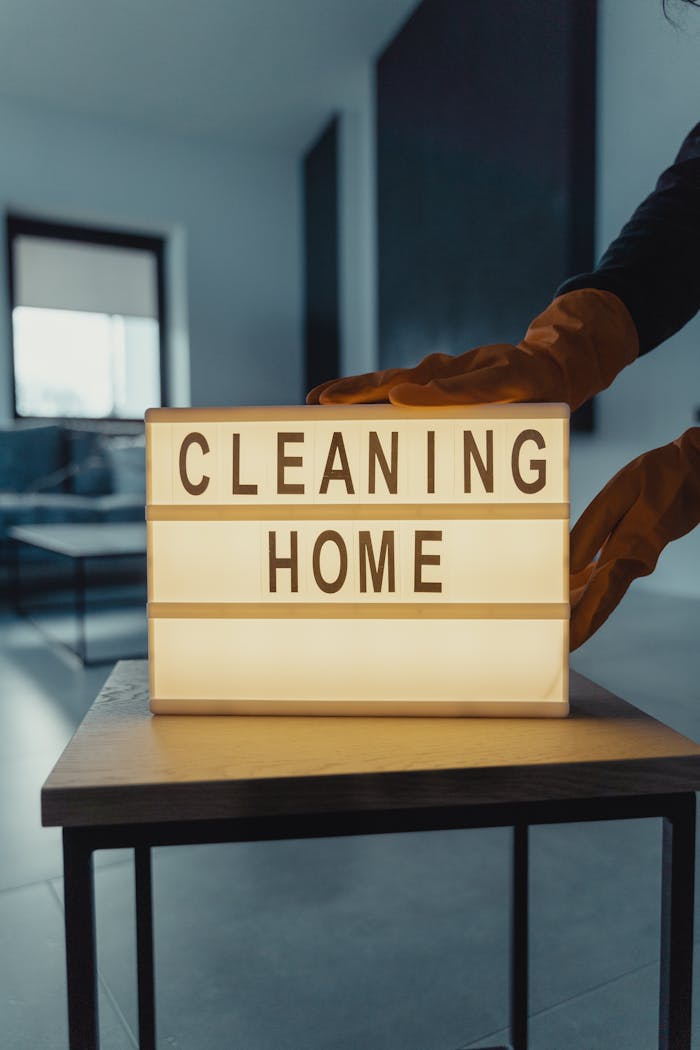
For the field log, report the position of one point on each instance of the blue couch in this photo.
(69, 472)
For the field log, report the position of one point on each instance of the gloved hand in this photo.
(570, 352)
(620, 535)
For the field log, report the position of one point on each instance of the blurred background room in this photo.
(225, 203)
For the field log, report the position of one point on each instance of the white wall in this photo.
(358, 226)
(232, 217)
(648, 99)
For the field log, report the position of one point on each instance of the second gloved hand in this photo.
(653, 500)
(574, 349)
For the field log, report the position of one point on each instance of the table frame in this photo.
(677, 811)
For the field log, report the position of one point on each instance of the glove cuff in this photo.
(590, 336)
(688, 445)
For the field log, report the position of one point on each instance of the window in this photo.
(88, 330)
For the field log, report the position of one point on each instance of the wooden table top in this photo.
(125, 765)
(80, 540)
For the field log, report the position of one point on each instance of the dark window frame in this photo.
(17, 225)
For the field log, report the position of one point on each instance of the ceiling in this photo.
(267, 72)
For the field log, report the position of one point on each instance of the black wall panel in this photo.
(485, 154)
(321, 302)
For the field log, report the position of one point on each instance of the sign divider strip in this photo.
(358, 610)
(355, 511)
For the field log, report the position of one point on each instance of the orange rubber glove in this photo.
(570, 352)
(620, 535)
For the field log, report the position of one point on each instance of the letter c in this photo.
(194, 438)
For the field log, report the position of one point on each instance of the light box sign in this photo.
(359, 560)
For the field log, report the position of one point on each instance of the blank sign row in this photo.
(479, 666)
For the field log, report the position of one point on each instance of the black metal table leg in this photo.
(81, 958)
(144, 948)
(677, 903)
(519, 940)
(79, 580)
(14, 575)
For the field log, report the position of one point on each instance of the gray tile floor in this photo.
(387, 943)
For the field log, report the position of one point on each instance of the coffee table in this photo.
(80, 543)
(130, 779)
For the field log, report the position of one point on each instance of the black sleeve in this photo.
(654, 265)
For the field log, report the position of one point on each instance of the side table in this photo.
(130, 779)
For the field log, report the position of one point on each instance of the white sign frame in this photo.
(358, 560)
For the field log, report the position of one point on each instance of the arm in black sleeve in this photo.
(654, 265)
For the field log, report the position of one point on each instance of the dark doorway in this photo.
(486, 166)
(322, 321)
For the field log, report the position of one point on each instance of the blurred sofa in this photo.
(69, 472)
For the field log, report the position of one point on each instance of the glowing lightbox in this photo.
(359, 560)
